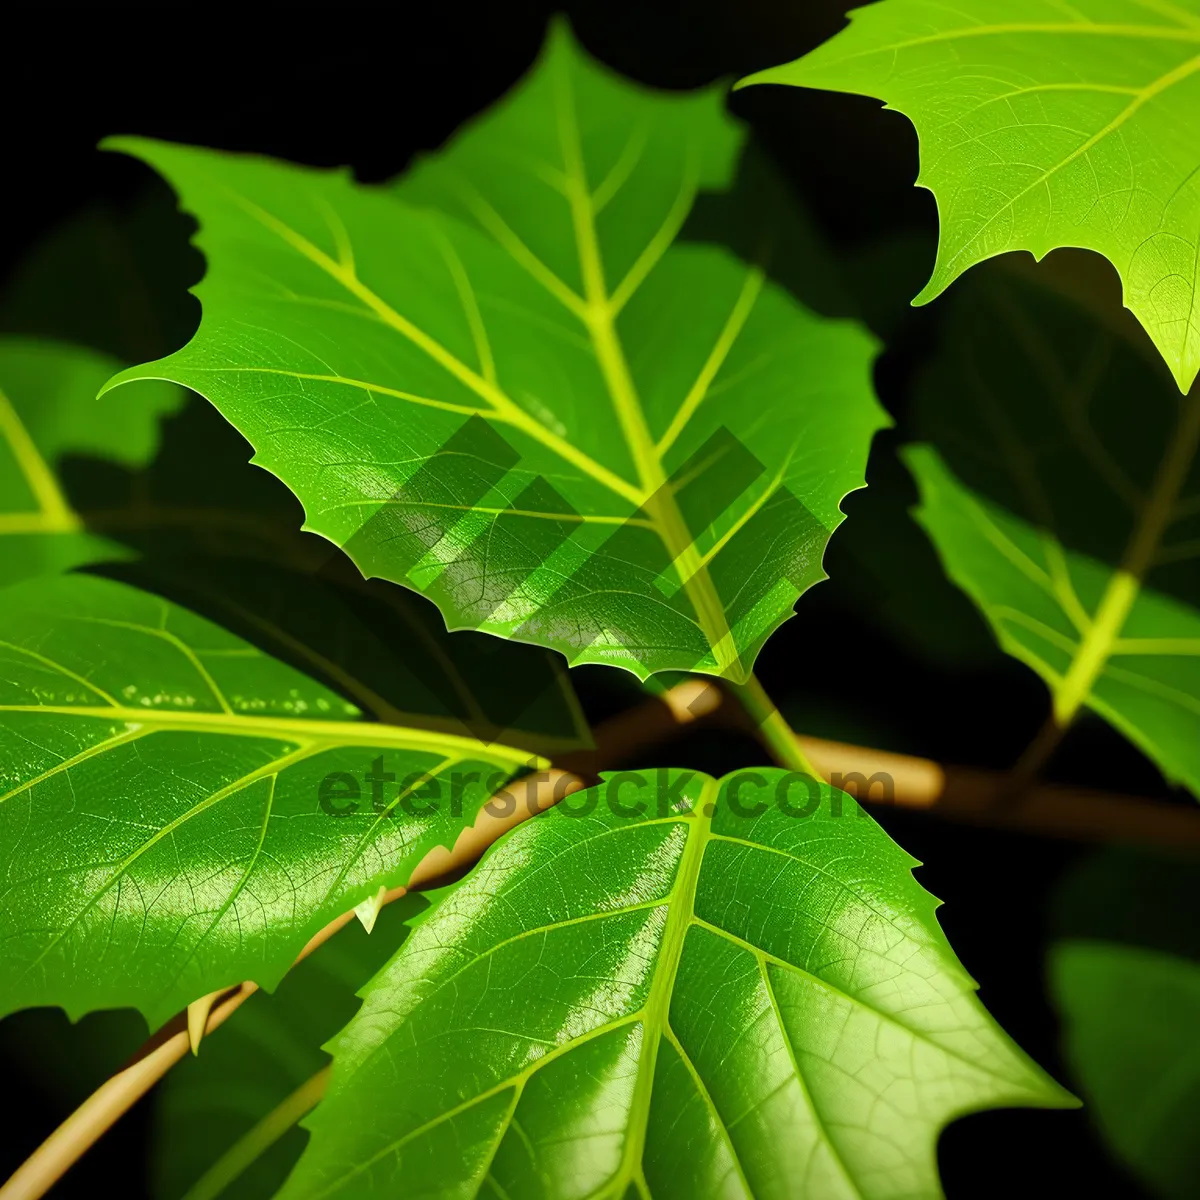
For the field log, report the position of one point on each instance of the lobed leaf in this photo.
(1044, 124)
(509, 384)
(178, 810)
(1061, 488)
(668, 986)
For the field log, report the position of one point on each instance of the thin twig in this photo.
(1028, 767)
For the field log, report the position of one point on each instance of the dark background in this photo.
(371, 85)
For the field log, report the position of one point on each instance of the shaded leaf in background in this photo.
(760, 218)
(1132, 895)
(207, 1104)
(886, 569)
(1060, 485)
(1130, 1018)
(668, 986)
(49, 410)
(381, 647)
(161, 818)
(507, 385)
(879, 564)
(1044, 125)
(139, 474)
(109, 278)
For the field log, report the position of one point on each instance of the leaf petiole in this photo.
(775, 732)
(250, 1147)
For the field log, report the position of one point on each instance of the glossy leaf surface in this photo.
(48, 411)
(1061, 487)
(170, 800)
(668, 986)
(1130, 1035)
(509, 384)
(1045, 124)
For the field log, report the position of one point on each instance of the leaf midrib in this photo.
(599, 317)
(597, 310)
(681, 911)
(1102, 636)
(348, 733)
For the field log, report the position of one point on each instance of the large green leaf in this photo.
(1130, 1034)
(48, 411)
(1062, 490)
(671, 987)
(1047, 124)
(511, 386)
(169, 800)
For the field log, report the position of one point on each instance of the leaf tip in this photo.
(1184, 374)
(197, 1019)
(769, 75)
(931, 291)
(368, 911)
(124, 143)
(131, 375)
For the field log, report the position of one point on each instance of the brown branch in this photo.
(879, 777)
(97, 1114)
(969, 795)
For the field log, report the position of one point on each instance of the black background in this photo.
(369, 86)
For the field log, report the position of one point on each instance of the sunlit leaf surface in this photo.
(1047, 124)
(510, 383)
(669, 987)
(179, 811)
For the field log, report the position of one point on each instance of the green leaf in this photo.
(668, 986)
(168, 801)
(1130, 1037)
(1062, 491)
(49, 411)
(1044, 124)
(510, 385)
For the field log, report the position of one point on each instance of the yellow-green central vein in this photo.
(680, 915)
(659, 499)
(341, 733)
(1102, 636)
